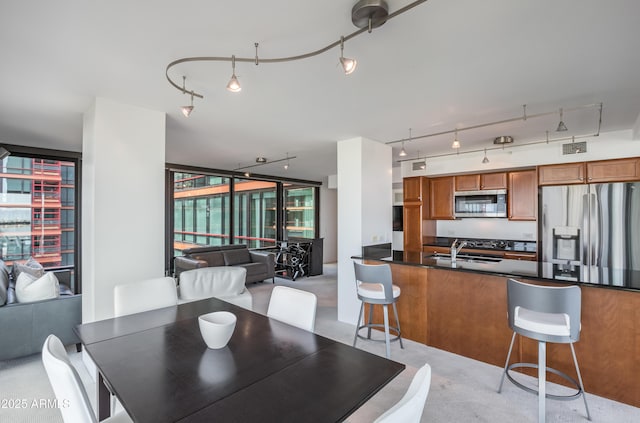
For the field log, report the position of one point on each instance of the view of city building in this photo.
(203, 211)
(37, 211)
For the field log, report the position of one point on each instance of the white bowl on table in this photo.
(216, 328)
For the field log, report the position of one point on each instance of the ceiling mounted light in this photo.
(486, 159)
(286, 165)
(234, 84)
(403, 153)
(261, 159)
(561, 126)
(365, 14)
(247, 174)
(186, 110)
(455, 144)
(505, 139)
(349, 65)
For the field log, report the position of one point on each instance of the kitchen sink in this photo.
(466, 257)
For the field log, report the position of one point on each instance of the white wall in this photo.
(610, 145)
(364, 211)
(122, 201)
(329, 222)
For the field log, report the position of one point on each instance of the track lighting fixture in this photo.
(455, 144)
(261, 161)
(349, 65)
(365, 14)
(561, 126)
(234, 84)
(486, 159)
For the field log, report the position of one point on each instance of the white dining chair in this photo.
(410, 408)
(144, 295)
(294, 307)
(71, 396)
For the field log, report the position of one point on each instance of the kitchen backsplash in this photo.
(488, 228)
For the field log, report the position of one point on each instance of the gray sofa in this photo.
(260, 265)
(25, 326)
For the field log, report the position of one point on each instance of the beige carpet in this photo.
(462, 390)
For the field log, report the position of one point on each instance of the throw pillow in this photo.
(30, 288)
(31, 267)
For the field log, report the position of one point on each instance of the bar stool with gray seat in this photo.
(545, 314)
(374, 286)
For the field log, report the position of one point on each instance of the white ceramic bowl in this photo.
(216, 328)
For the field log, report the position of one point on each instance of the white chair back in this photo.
(207, 282)
(294, 307)
(72, 398)
(409, 409)
(144, 295)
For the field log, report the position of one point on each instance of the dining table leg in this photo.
(104, 399)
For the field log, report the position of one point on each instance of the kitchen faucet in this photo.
(455, 251)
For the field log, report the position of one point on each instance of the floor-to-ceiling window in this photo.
(201, 210)
(219, 208)
(300, 211)
(38, 213)
(255, 222)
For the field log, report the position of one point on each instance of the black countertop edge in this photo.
(516, 275)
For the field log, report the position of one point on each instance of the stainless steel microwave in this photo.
(485, 203)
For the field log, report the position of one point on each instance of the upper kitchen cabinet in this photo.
(414, 188)
(493, 180)
(441, 198)
(523, 195)
(562, 174)
(619, 170)
(481, 181)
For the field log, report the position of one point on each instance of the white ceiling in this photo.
(442, 65)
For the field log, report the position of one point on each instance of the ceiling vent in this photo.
(574, 147)
(421, 165)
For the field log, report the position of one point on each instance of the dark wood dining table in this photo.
(158, 366)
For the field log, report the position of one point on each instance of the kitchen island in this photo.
(462, 308)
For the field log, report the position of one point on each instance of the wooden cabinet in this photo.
(616, 170)
(515, 255)
(412, 189)
(562, 174)
(493, 180)
(441, 198)
(619, 170)
(481, 181)
(522, 195)
(467, 182)
(415, 214)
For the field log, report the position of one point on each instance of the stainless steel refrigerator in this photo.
(591, 233)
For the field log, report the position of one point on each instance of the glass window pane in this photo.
(200, 210)
(255, 214)
(37, 211)
(299, 202)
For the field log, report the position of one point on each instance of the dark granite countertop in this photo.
(549, 272)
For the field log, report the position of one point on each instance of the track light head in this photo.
(348, 65)
(486, 159)
(186, 110)
(561, 126)
(234, 84)
(402, 153)
(455, 144)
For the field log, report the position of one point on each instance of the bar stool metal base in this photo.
(572, 381)
(386, 327)
(397, 337)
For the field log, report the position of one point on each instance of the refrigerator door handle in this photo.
(584, 237)
(593, 230)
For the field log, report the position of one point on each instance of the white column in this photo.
(123, 159)
(364, 211)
